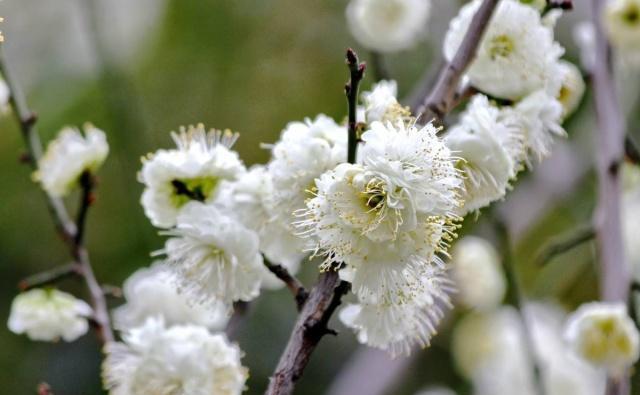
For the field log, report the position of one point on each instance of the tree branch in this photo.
(564, 243)
(295, 286)
(560, 4)
(326, 295)
(71, 232)
(441, 99)
(356, 70)
(49, 277)
(614, 273)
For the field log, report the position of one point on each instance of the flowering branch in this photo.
(295, 286)
(442, 97)
(326, 295)
(615, 278)
(564, 243)
(72, 233)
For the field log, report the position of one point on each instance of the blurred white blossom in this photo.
(153, 292)
(68, 156)
(191, 172)
(572, 88)
(477, 273)
(182, 359)
(388, 25)
(49, 315)
(604, 335)
(517, 55)
(214, 255)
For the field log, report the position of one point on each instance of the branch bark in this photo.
(564, 244)
(72, 233)
(293, 284)
(442, 97)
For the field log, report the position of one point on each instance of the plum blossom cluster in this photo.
(526, 92)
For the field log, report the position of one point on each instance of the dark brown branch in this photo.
(70, 231)
(49, 277)
(86, 184)
(566, 5)
(356, 71)
(564, 243)
(441, 99)
(310, 327)
(295, 286)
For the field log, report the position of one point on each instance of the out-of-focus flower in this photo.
(388, 25)
(584, 34)
(437, 391)
(572, 88)
(604, 335)
(516, 57)
(484, 344)
(381, 103)
(5, 94)
(153, 292)
(622, 24)
(249, 200)
(490, 152)
(477, 273)
(49, 315)
(182, 359)
(70, 155)
(191, 172)
(214, 255)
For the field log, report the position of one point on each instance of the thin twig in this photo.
(356, 71)
(564, 243)
(516, 300)
(86, 184)
(71, 232)
(49, 277)
(441, 99)
(379, 67)
(566, 5)
(295, 286)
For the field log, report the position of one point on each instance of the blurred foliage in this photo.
(248, 66)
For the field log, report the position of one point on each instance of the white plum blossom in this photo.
(381, 103)
(604, 335)
(68, 156)
(572, 88)
(490, 149)
(305, 151)
(477, 273)
(584, 34)
(388, 25)
(249, 200)
(622, 24)
(191, 172)
(153, 292)
(398, 328)
(539, 116)
(490, 348)
(49, 315)
(182, 359)
(517, 55)
(5, 95)
(214, 255)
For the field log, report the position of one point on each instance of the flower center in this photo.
(198, 189)
(374, 195)
(500, 47)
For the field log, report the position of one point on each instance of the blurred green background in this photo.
(141, 69)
